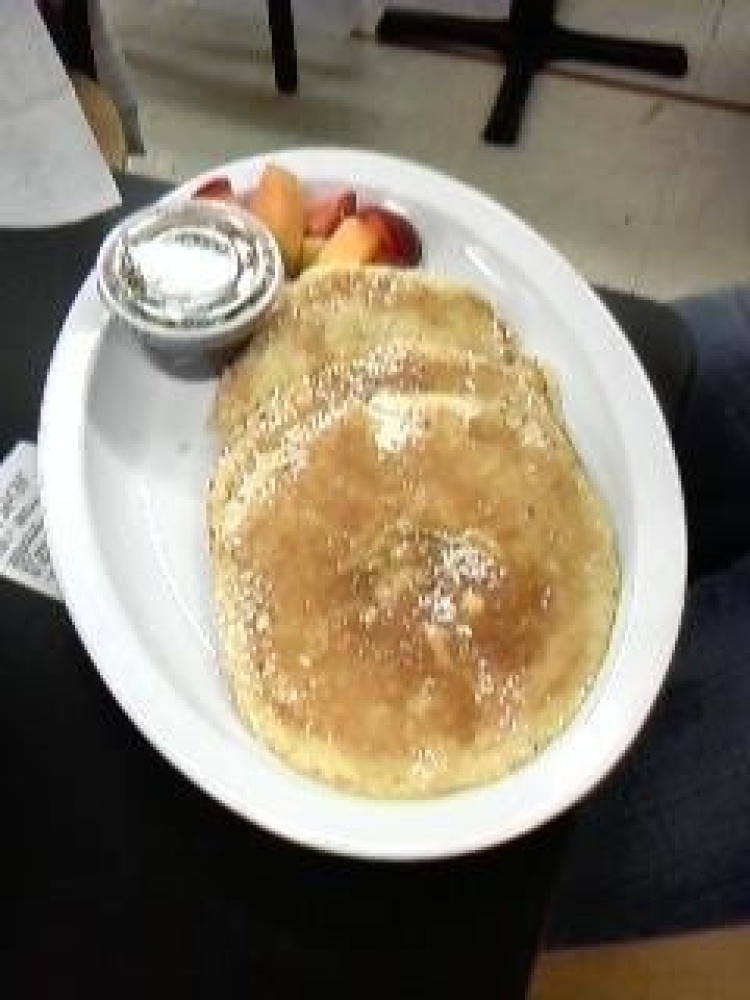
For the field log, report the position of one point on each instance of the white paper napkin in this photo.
(51, 170)
(24, 556)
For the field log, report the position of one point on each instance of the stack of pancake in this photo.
(415, 580)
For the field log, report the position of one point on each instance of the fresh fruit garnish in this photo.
(323, 215)
(354, 242)
(311, 247)
(399, 241)
(277, 201)
(217, 188)
(326, 228)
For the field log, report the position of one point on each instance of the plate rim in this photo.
(71, 368)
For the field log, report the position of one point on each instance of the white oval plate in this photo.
(124, 460)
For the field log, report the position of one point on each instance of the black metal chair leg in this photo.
(70, 30)
(651, 57)
(400, 25)
(281, 25)
(527, 38)
(504, 122)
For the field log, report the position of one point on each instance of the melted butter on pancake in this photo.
(415, 581)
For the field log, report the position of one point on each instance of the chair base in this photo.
(527, 39)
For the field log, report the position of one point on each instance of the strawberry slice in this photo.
(399, 241)
(216, 188)
(323, 215)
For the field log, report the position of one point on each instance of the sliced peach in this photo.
(399, 241)
(354, 242)
(323, 214)
(311, 247)
(277, 201)
(372, 217)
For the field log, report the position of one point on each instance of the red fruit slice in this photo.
(399, 240)
(323, 215)
(218, 188)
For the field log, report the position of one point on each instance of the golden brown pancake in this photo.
(415, 581)
(334, 319)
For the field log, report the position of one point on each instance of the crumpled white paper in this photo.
(24, 556)
(51, 169)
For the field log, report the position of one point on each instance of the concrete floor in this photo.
(641, 182)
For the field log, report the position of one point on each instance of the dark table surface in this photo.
(121, 879)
